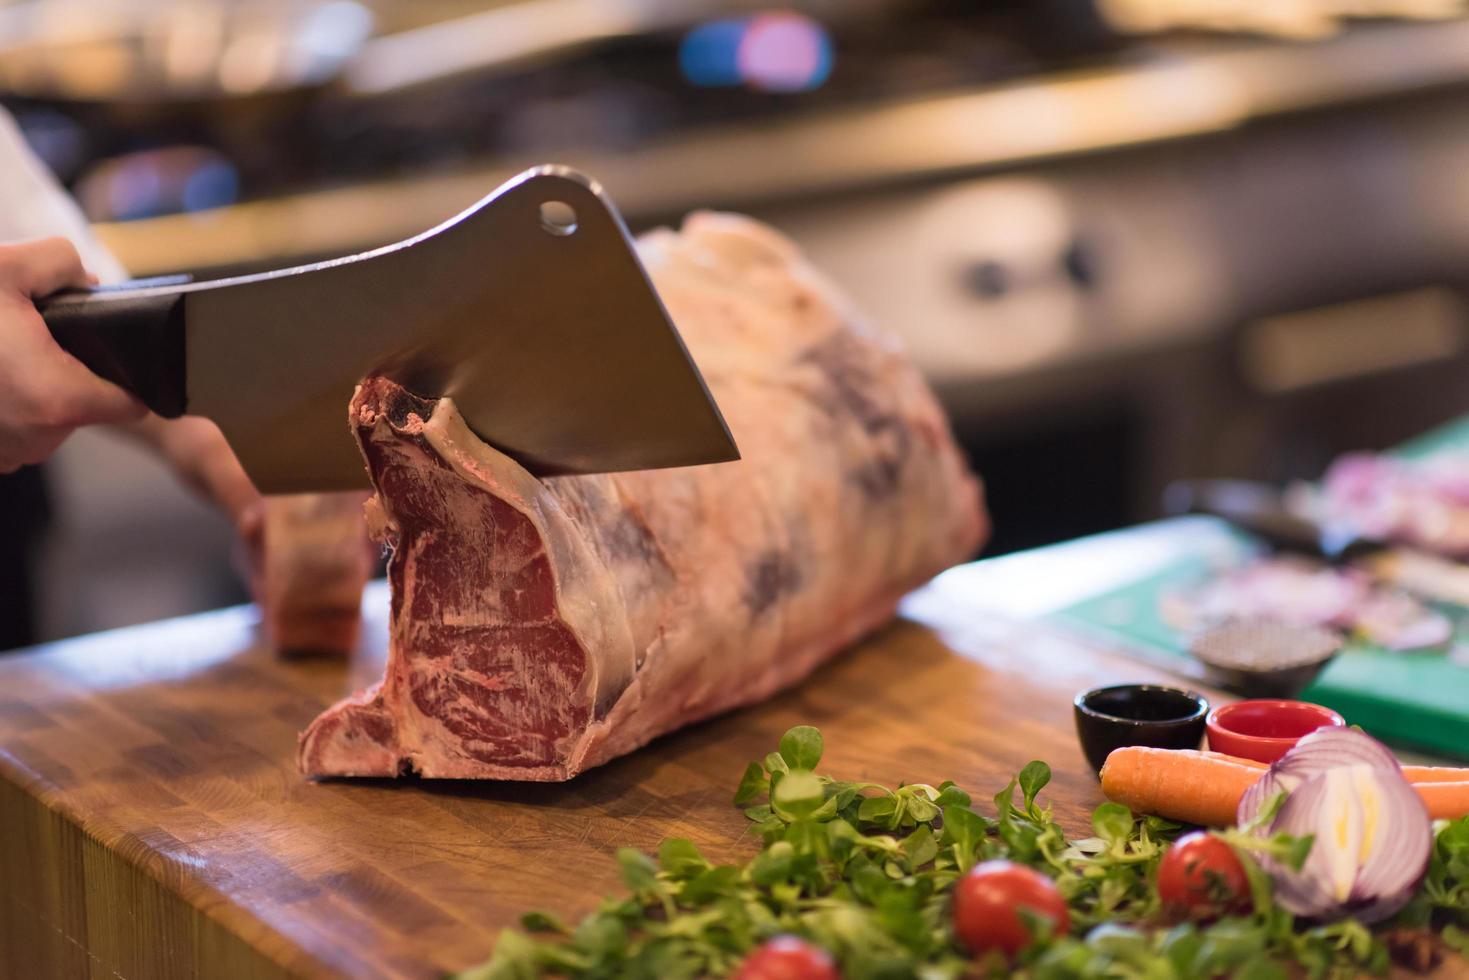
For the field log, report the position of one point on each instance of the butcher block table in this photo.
(153, 824)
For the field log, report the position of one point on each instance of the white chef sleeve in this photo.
(34, 205)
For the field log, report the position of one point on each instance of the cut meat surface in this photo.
(542, 627)
(316, 558)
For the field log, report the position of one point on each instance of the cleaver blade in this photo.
(530, 309)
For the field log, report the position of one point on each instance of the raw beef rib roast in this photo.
(542, 627)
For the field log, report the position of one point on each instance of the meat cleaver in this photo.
(530, 309)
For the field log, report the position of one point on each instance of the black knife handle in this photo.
(136, 342)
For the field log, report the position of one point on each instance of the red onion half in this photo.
(1372, 833)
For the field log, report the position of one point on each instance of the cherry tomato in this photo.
(987, 900)
(787, 958)
(1202, 877)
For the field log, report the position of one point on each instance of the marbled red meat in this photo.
(541, 627)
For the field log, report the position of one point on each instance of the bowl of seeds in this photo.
(1262, 658)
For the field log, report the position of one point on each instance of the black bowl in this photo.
(1108, 718)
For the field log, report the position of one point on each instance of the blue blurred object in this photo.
(136, 188)
(56, 138)
(165, 180)
(775, 51)
(709, 54)
(213, 185)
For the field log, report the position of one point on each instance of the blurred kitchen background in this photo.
(1128, 240)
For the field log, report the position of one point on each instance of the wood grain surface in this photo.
(152, 823)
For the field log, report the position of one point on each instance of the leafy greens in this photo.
(865, 872)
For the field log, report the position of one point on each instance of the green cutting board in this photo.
(1413, 699)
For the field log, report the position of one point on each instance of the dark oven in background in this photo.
(1248, 303)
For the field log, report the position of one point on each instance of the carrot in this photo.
(1445, 801)
(1178, 784)
(1262, 766)
(1435, 774)
(1414, 774)
(1205, 787)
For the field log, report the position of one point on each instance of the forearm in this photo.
(197, 452)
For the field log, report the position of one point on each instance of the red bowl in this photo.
(1265, 730)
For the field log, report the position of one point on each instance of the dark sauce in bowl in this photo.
(1108, 718)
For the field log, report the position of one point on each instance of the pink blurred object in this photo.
(1301, 592)
(1424, 504)
(1286, 590)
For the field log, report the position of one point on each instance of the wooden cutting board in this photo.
(152, 823)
